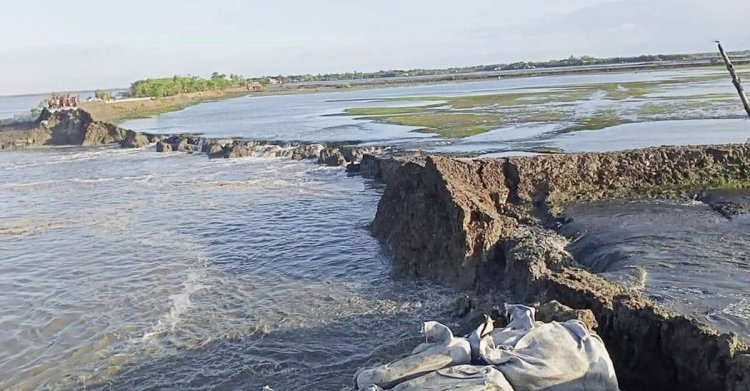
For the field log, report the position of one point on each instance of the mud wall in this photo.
(481, 224)
(63, 127)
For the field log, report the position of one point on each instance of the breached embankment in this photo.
(64, 127)
(485, 224)
(78, 127)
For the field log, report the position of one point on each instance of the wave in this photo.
(22, 227)
(180, 305)
(31, 185)
(42, 156)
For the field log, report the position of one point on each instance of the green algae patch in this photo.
(600, 120)
(615, 103)
(652, 109)
(474, 101)
(371, 111)
(543, 116)
(620, 91)
(451, 125)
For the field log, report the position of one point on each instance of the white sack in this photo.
(549, 356)
(459, 378)
(445, 351)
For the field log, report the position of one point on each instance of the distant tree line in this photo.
(181, 84)
(570, 61)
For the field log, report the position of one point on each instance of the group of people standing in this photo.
(62, 101)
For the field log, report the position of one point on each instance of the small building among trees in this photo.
(254, 86)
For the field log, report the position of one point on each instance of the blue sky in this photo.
(84, 44)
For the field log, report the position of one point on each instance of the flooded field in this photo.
(129, 270)
(492, 117)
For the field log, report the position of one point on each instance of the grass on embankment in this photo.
(121, 111)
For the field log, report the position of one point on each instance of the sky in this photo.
(66, 45)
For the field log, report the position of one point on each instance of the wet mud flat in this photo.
(683, 255)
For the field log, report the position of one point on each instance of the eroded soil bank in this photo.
(683, 255)
(491, 224)
(78, 127)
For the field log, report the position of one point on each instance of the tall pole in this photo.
(735, 79)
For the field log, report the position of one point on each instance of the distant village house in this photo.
(254, 86)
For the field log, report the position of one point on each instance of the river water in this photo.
(686, 256)
(132, 270)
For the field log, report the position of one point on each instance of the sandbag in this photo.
(521, 321)
(549, 356)
(459, 378)
(445, 351)
(484, 329)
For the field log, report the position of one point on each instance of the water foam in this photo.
(180, 305)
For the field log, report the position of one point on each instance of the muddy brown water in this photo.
(685, 256)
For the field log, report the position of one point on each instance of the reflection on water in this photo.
(648, 134)
(130, 270)
(695, 260)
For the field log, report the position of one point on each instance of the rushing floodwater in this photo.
(688, 257)
(134, 270)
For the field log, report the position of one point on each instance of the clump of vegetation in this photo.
(169, 86)
(36, 111)
(372, 111)
(543, 116)
(599, 120)
(103, 95)
(452, 125)
(565, 62)
(654, 109)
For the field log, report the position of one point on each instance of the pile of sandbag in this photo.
(524, 355)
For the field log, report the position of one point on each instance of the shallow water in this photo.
(128, 269)
(695, 260)
(648, 134)
(308, 116)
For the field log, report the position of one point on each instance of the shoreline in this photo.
(120, 111)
